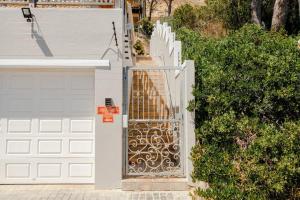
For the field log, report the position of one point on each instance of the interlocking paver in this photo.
(81, 192)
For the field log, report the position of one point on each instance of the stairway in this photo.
(153, 135)
(148, 98)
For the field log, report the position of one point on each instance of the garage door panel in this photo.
(82, 126)
(41, 170)
(50, 146)
(80, 170)
(18, 146)
(1, 81)
(49, 170)
(52, 82)
(84, 83)
(52, 105)
(17, 170)
(19, 126)
(47, 127)
(80, 146)
(51, 126)
(82, 105)
(22, 81)
(50, 93)
(17, 104)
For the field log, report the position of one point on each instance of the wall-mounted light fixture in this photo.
(108, 102)
(27, 14)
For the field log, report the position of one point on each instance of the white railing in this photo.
(62, 2)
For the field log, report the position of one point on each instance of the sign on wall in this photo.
(108, 113)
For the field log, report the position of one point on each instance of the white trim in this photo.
(54, 63)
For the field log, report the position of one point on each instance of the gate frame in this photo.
(127, 81)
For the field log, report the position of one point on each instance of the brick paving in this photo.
(81, 192)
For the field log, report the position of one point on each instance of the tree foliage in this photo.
(236, 13)
(247, 114)
(146, 27)
(185, 16)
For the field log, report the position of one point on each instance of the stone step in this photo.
(155, 184)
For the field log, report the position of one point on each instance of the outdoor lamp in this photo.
(27, 14)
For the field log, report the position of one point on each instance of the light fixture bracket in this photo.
(27, 14)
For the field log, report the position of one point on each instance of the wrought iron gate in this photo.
(154, 141)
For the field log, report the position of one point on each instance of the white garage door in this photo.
(46, 126)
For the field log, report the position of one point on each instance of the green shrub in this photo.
(146, 26)
(247, 114)
(184, 16)
(139, 48)
(233, 14)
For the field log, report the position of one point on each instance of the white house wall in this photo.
(58, 33)
(75, 33)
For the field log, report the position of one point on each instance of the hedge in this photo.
(247, 102)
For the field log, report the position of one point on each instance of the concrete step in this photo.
(155, 184)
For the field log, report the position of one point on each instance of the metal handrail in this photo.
(155, 68)
(170, 96)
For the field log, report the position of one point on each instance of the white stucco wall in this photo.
(59, 33)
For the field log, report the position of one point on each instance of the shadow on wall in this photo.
(38, 36)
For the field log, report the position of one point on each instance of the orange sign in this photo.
(108, 113)
(113, 110)
(102, 110)
(108, 118)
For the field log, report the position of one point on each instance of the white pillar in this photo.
(189, 117)
(108, 140)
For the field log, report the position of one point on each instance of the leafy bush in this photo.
(247, 114)
(139, 48)
(185, 16)
(233, 14)
(225, 11)
(147, 27)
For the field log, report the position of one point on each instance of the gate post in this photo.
(108, 139)
(189, 117)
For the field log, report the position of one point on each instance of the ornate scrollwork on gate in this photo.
(154, 148)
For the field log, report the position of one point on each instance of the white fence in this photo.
(164, 47)
(167, 52)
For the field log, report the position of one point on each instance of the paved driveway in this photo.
(80, 192)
